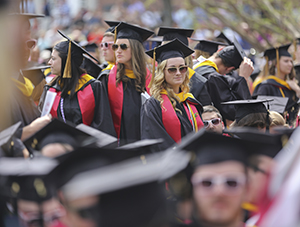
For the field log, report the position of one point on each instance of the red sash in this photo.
(115, 96)
(148, 79)
(86, 101)
(171, 121)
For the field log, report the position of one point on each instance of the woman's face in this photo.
(286, 64)
(175, 72)
(55, 63)
(123, 55)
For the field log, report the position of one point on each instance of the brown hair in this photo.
(138, 62)
(254, 120)
(212, 109)
(198, 53)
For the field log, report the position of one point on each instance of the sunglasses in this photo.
(173, 70)
(31, 43)
(214, 121)
(106, 45)
(231, 183)
(123, 46)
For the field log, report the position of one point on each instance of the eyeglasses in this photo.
(106, 45)
(231, 183)
(123, 46)
(214, 121)
(173, 70)
(31, 43)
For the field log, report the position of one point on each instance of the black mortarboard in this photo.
(282, 51)
(25, 177)
(35, 74)
(224, 38)
(277, 104)
(27, 16)
(209, 46)
(103, 139)
(89, 46)
(73, 52)
(143, 147)
(173, 49)
(91, 67)
(129, 31)
(273, 141)
(58, 132)
(245, 107)
(7, 138)
(213, 148)
(297, 68)
(159, 166)
(157, 40)
(112, 25)
(233, 54)
(169, 34)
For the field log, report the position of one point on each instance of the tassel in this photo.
(266, 68)
(295, 49)
(68, 67)
(153, 68)
(277, 62)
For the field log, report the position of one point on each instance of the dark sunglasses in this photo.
(214, 121)
(106, 45)
(123, 46)
(173, 70)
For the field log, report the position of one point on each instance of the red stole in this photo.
(115, 97)
(171, 121)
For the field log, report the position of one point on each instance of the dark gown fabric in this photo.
(270, 87)
(101, 119)
(224, 88)
(199, 90)
(152, 123)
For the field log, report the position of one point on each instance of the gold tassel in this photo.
(266, 68)
(153, 68)
(277, 62)
(68, 66)
(295, 49)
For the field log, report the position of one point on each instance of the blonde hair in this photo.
(276, 119)
(159, 83)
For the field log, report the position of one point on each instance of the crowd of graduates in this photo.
(158, 134)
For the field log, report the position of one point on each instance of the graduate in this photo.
(79, 97)
(280, 81)
(222, 87)
(197, 82)
(172, 112)
(127, 80)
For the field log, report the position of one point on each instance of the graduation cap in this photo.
(297, 69)
(24, 178)
(7, 138)
(233, 54)
(35, 74)
(129, 31)
(91, 67)
(73, 51)
(157, 40)
(58, 132)
(145, 146)
(245, 107)
(224, 38)
(277, 104)
(173, 49)
(112, 25)
(169, 34)
(89, 46)
(211, 148)
(209, 46)
(104, 139)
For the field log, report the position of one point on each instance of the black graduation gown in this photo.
(199, 90)
(270, 87)
(102, 119)
(224, 88)
(152, 126)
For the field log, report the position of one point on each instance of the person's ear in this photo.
(223, 127)
(229, 69)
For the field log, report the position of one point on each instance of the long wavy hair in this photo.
(160, 83)
(138, 61)
(273, 69)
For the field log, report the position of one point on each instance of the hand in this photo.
(246, 68)
(35, 126)
(294, 86)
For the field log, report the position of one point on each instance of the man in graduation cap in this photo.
(198, 82)
(222, 87)
(220, 179)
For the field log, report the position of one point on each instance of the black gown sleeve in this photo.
(102, 116)
(199, 90)
(152, 126)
